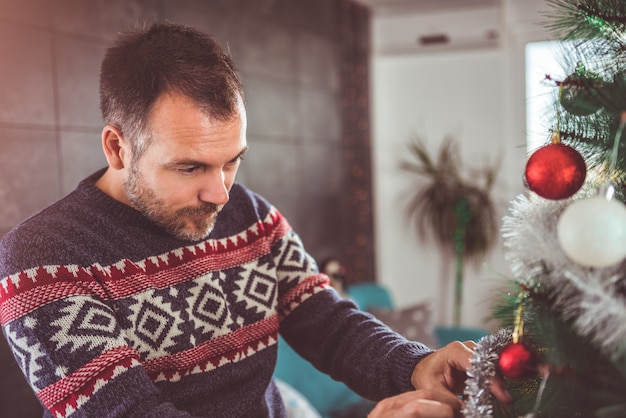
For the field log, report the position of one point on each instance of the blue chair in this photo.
(446, 335)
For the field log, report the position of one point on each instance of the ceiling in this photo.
(394, 7)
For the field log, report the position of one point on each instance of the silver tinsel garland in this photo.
(478, 398)
(590, 297)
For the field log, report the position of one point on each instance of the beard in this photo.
(191, 223)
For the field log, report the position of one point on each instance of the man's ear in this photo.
(116, 148)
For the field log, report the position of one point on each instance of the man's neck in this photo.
(112, 184)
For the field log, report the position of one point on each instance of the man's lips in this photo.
(204, 215)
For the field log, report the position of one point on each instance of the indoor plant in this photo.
(458, 214)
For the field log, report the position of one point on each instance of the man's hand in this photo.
(423, 403)
(444, 370)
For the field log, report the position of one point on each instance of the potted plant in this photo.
(459, 215)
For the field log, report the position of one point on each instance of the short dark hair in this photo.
(141, 65)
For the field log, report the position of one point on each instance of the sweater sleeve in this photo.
(352, 346)
(71, 349)
(334, 335)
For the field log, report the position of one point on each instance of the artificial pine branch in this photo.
(593, 18)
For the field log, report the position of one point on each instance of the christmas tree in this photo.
(561, 349)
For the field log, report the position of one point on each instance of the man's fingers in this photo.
(418, 404)
(468, 347)
(498, 389)
(470, 344)
(446, 397)
(433, 409)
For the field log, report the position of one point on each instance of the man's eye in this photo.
(233, 163)
(188, 170)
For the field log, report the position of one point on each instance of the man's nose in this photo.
(214, 189)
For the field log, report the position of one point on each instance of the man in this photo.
(158, 287)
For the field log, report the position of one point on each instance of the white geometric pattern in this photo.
(153, 325)
(261, 288)
(293, 259)
(85, 323)
(257, 288)
(208, 308)
(156, 325)
(27, 353)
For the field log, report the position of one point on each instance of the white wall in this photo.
(473, 93)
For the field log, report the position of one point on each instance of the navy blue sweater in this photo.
(110, 316)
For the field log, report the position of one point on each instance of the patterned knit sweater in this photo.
(109, 316)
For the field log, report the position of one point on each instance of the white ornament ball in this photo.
(592, 232)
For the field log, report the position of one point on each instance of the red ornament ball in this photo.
(555, 171)
(518, 361)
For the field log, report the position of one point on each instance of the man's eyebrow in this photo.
(191, 162)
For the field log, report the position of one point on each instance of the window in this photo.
(543, 59)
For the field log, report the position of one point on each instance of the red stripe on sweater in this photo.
(25, 291)
(67, 394)
(271, 229)
(304, 290)
(122, 287)
(211, 354)
(33, 298)
(39, 277)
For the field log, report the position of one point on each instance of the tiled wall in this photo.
(289, 58)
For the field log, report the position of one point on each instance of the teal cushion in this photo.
(370, 295)
(324, 393)
(446, 335)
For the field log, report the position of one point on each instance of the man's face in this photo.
(182, 180)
